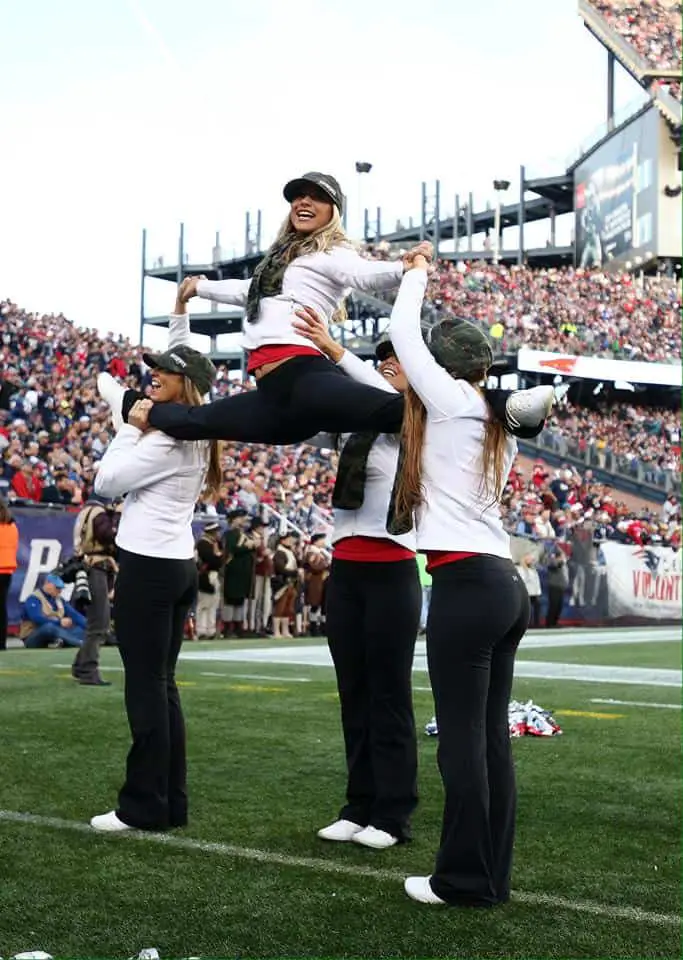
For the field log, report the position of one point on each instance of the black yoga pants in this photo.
(302, 397)
(153, 597)
(373, 615)
(479, 612)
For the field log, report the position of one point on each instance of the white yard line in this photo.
(319, 656)
(637, 703)
(593, 673)
(257, 676)
(176, 842)
(554, 641)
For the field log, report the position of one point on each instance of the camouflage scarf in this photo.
(267, 279)
(349, 488)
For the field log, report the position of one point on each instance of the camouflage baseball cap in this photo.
(461, 347)
(186, 362)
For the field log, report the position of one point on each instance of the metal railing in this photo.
(646, 475)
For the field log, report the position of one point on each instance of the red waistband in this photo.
(437, 558)
(275, 351)
(370, 550)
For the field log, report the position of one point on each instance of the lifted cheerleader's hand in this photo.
(139, 415)
(419, 263)
(314, 329)
(423, 249)
(188, 288)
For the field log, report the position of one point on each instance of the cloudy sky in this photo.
(121, 114)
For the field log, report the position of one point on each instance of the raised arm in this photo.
(129, 464)
(442, 395)
(349, 269)
(224, 291)
(179, 322)
(364, 372)
(310, 325)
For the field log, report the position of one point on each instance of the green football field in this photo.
(597, 865)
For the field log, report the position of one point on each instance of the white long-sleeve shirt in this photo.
(458, 513)
(371, 519)
(317, 280)
(162, 478)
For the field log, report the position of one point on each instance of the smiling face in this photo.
(392, 371)
(166, 387)
(311, 211)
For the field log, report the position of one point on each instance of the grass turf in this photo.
(599, 820)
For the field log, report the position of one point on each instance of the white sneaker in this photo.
(109, 823)
(420, 889)
(528, 408)
(112, 393)
(340, 830)
(377, 839)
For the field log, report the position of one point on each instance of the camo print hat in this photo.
(460, 347)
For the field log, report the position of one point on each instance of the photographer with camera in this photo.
(94, 534)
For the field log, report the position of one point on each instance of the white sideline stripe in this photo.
(319, 656)
(590, 640)
(105, 669)
(342, 869)
(256, 676)
(637, 703)
(594, 673)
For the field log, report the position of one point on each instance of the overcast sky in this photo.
(119, 114)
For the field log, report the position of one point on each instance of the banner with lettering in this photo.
(45, 538)
(643, 581)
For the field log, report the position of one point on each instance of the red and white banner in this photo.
(599, 368)
(643, 581)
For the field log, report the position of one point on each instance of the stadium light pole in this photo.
(361, 168)
(500, 186)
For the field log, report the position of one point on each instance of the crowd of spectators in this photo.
(563, 309)
(549, 504)
(57, 429)
(652, 28)
(644, 442)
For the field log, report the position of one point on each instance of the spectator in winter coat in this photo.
(558, 584)
(526, 569)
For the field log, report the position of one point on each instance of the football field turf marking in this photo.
(636, 703)
(330, 866)
(591, 714)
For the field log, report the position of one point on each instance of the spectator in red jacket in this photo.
(26, 482)
(117, 367)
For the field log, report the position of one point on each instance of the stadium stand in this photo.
(653, 29)
(564, 309)
(57, 428)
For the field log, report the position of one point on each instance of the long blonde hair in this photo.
(319, 241)
(214, 474)
(410, 489)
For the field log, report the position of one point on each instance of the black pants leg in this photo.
(98, 624)
(302, 397)
(535, 614)
(373, 613)
(478, 614)
(153, 598)
(555, 601)
(5, 580)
